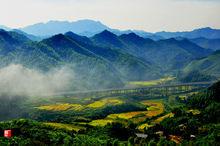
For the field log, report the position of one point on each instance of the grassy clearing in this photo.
(151, 82)
(65, 126)
(104, 102)
(61, 107)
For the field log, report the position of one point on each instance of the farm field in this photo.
(92, 116)
(77, 107)
(61, 107)
(150, 82)
(153, 108)
(100, 111)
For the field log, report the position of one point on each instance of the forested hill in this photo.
(102, 61)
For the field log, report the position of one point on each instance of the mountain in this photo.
(12, 38)
(102, 61)
(54, 27)
(78, 38)
(168, 54)
(82, 27)
(129, 66)
(172, 54)
(141, 33)
(31, 37)
(90, 70)
(89, 28)
(107, 39)
(206, 32)
(208, 65)
(94, 66)
(18, 49)
(213, 44)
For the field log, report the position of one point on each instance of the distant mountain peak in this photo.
(56, 39)
(78, 38)
(106, 33)
(134, 37)
(132, 34)
(58, 36)
(205, 28)
(71, 33)
(54, 27)
(170, 40)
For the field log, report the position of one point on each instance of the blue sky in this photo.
(149, 15)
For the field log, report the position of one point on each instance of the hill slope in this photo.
(94, 66)
(209, 65)
(129, 66)
(55, 52)
(168, 54)
(213, 44)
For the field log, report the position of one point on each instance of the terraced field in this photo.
(158, 120)
(104, 102)
(153, 108)
(61, 107)
(77, 107)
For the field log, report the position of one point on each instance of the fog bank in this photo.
(16, 79)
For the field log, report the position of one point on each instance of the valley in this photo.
(84, 115)
(108, 87)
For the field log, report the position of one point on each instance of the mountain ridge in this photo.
(89, 28)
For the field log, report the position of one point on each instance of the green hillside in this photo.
(129, 66)
(170, 54)
(94, 66)
(213, 44)
(209, 65)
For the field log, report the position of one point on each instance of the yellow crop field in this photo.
(155, 108)
(144, 126)
(158, 120)
(100, 122)
(137, 120)
(103, 102)
(154, 113)
(65, 126)
(154, 105)
(61, 107)
(127, 115)
(151, 82)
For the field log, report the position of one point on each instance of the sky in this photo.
(148, 15)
